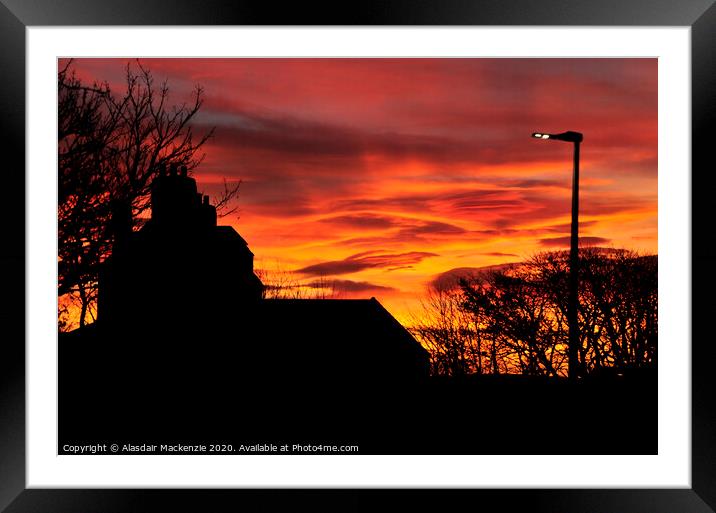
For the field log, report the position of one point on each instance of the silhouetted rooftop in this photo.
(184, 283)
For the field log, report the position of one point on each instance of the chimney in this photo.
(174, 197)
(208, 213)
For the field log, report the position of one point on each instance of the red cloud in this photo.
(363, 261)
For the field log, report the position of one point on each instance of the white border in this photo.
(671, 468)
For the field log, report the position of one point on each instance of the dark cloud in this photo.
(400, 267)
(430, 228)
(615, 203)
(365, 260)
(330, 144)
(293, 136)
(480, 200)
(506, 209)
(499, 209)
(367, 241)
(349, 286)
(333, 112)
(366, 221)
(498, 254)
(397, 229)
(565, 241)
(531, 183)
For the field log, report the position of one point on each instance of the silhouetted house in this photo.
(180, 265)
(181, 295)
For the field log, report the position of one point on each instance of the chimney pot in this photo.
(183, 170)
(206, 200)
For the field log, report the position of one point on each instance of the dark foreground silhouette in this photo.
(185, 351)
(162, 396)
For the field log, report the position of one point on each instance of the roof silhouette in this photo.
(183, 282)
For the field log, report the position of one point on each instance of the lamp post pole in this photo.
(574, 272)
(573, 295)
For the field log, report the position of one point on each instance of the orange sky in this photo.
(382, 174)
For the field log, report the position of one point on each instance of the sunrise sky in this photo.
(382, 174)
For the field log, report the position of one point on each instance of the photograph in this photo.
(317, 256)
(357, 256)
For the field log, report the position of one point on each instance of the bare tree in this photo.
(518, 319)
(621, 289)
(454, 336)
(280, 283)
(223, 202)
(110, 147)
(514, 319)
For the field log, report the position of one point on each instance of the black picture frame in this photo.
(17, 15)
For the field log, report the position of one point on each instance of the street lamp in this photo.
(575, 138)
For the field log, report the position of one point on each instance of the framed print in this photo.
(292, 256)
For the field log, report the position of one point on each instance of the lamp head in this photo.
(573, 137)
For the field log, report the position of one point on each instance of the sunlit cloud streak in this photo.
(361, 261)
(337, 287)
